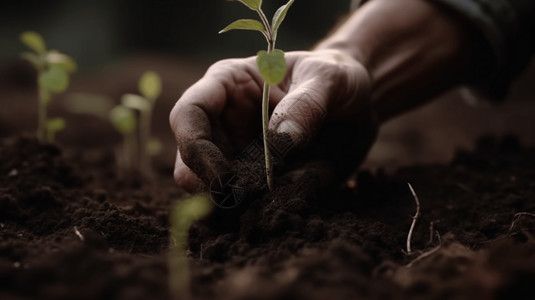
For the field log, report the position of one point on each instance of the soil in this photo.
(72, 228)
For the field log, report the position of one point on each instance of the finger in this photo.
(191, 121)
(300, 113)
(184, 177)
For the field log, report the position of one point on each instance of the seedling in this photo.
(150, 88)
(53, 70)
(125, 122)
(183, 215)
(271, 63)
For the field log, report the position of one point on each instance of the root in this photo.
(414, 220)
(424, 255)
(433, 233)
(78, 234)
(517, 216)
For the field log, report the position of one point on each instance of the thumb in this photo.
(299, 114)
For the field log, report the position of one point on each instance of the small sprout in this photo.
(150, 88)
(125, 122)
(183, 215)
(271, 63)
(53, 70)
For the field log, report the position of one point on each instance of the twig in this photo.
(517, 216)
(78, 234)
(414, 219)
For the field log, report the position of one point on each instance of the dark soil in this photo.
(71, 227)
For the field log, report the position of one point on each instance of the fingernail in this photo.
(291, 127)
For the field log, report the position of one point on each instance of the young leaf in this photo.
(135, 102)
(34, 41)
(279, 16)
(150, 85)
(123, 119)
(62, 60)
(272, 66)
(245, 24)
(252, 4)
(54, 79)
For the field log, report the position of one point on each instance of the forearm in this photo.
(413, 50)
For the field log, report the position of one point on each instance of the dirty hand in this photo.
(217, 117)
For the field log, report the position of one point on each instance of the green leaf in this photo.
(252, 4)
(279, 16)
(272, 66)
(136, 102)
(55, 79)
(123, 119)
(150, 85)
(52, 126)
(245, 24)
(62, 60)
(34, 41)
(153, 147)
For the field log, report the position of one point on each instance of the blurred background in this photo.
(100, 31)
(115, 41)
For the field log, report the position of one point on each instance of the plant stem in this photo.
(266, 24)
(41, 114)
(144, 140)
(129, 154)
(265, 124)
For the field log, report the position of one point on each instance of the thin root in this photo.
(423, 255)
(414, 220)
(78, 234)
(517, 216)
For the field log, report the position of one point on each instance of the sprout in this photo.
(53, 70)
(183, 215)
(271, 63)
(125, 122)
(150, 88)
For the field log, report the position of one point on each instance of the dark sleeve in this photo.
(506, 28)
(504, 38)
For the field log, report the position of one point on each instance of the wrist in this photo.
(411, 49)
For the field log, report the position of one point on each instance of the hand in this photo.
(324, 91)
